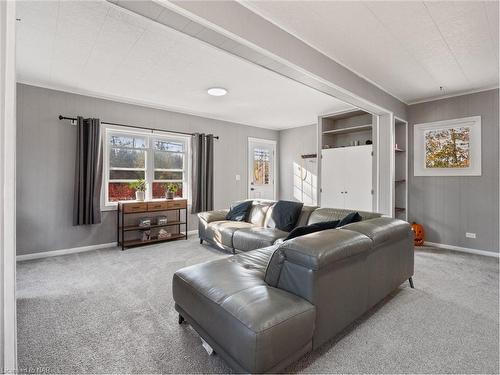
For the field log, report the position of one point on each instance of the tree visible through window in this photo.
(160, 160)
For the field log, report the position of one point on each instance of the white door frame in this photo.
(407, 151)
(249, 166)
(8, 329)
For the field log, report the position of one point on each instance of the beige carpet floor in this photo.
(109, 311)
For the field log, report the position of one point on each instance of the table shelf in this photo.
(154, 209)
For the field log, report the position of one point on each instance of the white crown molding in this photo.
(463, 249)
(453, 95)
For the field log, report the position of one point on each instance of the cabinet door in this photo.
(332, 182)
(358, 178)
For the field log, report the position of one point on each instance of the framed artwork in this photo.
(448, 148)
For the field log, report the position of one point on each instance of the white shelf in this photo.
(351, 129)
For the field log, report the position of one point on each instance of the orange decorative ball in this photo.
(418, 231)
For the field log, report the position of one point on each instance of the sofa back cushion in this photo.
(283, 215)
(258, 212)
(330, 214)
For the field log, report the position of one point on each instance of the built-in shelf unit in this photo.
(345, 145)
(352, 128)
(400, 170)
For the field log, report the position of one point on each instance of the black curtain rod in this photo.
(61, 117)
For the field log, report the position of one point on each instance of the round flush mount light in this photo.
(217, 91)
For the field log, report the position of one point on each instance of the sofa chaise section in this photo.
(251, 325)
(261, 310)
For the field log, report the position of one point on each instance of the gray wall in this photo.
(293, 143)
(46, 155)
(450, 206)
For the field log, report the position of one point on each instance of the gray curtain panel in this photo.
(202, 178)
(88, 172)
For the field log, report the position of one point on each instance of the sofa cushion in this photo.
(256, 238)
(304, 215)
(283, 215)
(239, 211)
(258, 326)
(223, 231)
(329, 214)
(258, 213)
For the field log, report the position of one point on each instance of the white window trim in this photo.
(106, 130)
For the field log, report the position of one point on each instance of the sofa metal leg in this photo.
(201, 241)
(411, 283)
(181, 319)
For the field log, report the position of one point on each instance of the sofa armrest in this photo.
(216, 215)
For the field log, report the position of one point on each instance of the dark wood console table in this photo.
(151, 208)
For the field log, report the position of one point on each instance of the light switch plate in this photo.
(470, 235)
(238, 177)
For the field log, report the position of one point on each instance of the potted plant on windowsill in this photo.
(170, 190)
(140, 189)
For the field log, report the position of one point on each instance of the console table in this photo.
(152, 208)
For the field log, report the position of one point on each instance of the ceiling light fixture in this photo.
(217, 91)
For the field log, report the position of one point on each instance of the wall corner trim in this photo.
(74, 250)
(463, 249)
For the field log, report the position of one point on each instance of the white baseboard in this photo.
(463, 249)
(74, 250)
(53, 253)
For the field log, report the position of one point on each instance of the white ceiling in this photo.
(98, 48)
(408, 48)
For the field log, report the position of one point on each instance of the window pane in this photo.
(168, 175)
(125, 175)
(159, 189)
(120, 191)
(127, 141)
(165, 145)
(123, 158)
(168, 160)
(261, 166)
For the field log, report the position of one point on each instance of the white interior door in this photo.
(332, 178)
(358, 178)
(261, 168)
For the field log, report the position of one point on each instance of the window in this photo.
(160, 159)
(261, 166)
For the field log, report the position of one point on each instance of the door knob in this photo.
(252, 189)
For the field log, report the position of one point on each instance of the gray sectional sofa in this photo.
(262, 310)
(259, 230)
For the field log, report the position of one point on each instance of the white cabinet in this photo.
(346, 178)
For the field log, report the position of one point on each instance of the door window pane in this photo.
(261, 166)
(127, 158)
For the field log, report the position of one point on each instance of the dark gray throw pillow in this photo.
(324, 225)
(285, 214)
(240, 211)
(316, 227)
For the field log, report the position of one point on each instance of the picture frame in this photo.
(448, 148)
